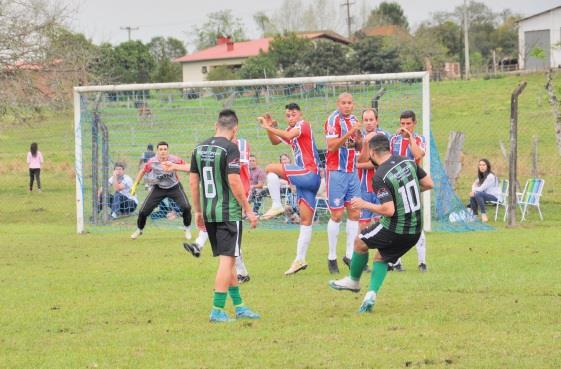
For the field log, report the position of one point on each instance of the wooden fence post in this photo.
(512, 175)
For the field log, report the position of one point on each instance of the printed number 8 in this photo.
(208, 183)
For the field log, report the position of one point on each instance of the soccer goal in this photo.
(116, 123)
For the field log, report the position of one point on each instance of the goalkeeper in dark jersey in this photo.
(398, 184)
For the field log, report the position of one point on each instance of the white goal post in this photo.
(80, 116)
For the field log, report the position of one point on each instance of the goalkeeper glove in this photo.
(133, 189)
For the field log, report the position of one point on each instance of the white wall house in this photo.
(539, 40)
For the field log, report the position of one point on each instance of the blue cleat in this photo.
(243, 312)
(218, 316)
(368, 302)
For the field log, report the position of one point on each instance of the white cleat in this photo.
(297, 265)
(188, 235)
(273, 212)
(368, 302)
(136, 234)
(346, 283)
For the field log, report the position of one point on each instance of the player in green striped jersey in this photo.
(218, 200)
(398, 183)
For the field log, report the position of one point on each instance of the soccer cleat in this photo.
(192, 248)
(114, 215)
(272, 212)
(243, 312)
(368, 302)
(218, 316)
(188, 235)
(243, 278)
(136, 234)
(332, 266)
(423, 267)
(345, 284)
(398, 267)
(297, 265)
(347, 261)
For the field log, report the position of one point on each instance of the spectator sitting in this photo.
(121, 202)
(257, 184)
(485, 188)
(166, 209)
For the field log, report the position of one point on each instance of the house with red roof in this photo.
(233, 54)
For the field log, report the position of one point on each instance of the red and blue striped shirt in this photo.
(304, 147)
(399, 145)
(343, 159)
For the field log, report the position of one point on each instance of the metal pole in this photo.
(466, 41)
(427, 208)
(78, 166)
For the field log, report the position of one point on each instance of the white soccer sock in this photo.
(303, 242)
(201, 239)
(352, 231)
(240, 266)
(421, 249)
(273, 184)
(332, 234)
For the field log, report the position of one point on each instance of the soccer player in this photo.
(343, 136)
(365, 167)
(398, 182)
(408, 144)
(304, 174)
(215, 167)
(196, 248)
(166, 184)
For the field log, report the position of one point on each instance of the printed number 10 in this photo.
(410, 196)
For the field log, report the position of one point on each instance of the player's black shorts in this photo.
(391, 245)
(225, 238)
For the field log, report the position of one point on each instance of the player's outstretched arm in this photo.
(235, 182)
(170, 167)
(386, 209)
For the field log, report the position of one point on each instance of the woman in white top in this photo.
(485, 188)
(34, 161)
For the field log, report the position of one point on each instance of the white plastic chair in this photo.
(502, 199)
(531, 196)
(321, 203)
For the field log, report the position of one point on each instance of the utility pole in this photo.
(349, 19)
(129, 29)
(466, 40)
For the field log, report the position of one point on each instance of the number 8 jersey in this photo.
(213, 160)
(397, 180)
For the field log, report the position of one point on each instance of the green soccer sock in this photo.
(379, 271)
(219, 299)
(234, 292)
(358, 261)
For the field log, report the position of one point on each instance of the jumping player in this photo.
(215, 178)
(166, 184)
(408, 144)
(343, 136)
(304, 174)
(398, 183)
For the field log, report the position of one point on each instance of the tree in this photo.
(220, 23)
(296, 16)
(372, 55)
(164, 51)
(133, 62)
(388, 14)
(265, 24)
(327, 58)
(222, 73)
(260, 66)
(286, 54)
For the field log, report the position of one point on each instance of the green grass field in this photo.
(100, 300)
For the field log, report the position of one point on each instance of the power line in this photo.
(129, 29)
(349, 18)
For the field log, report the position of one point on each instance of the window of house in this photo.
(204, 69)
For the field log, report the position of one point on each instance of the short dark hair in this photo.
(162, 143)
(150, 147)
(408, 114)
(380, 144)
(119, 164)
(227, 118)
(292, 106)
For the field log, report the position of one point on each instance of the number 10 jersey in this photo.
(397, 180)
(213, 160)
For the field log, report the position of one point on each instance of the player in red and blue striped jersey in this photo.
(344, 140)
(304, 174)
(366, 169)
(408, 144)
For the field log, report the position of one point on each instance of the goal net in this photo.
(115, 124)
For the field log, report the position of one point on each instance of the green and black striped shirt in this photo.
(213, 160)
(397, 180)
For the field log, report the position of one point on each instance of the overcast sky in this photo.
(101, 20)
